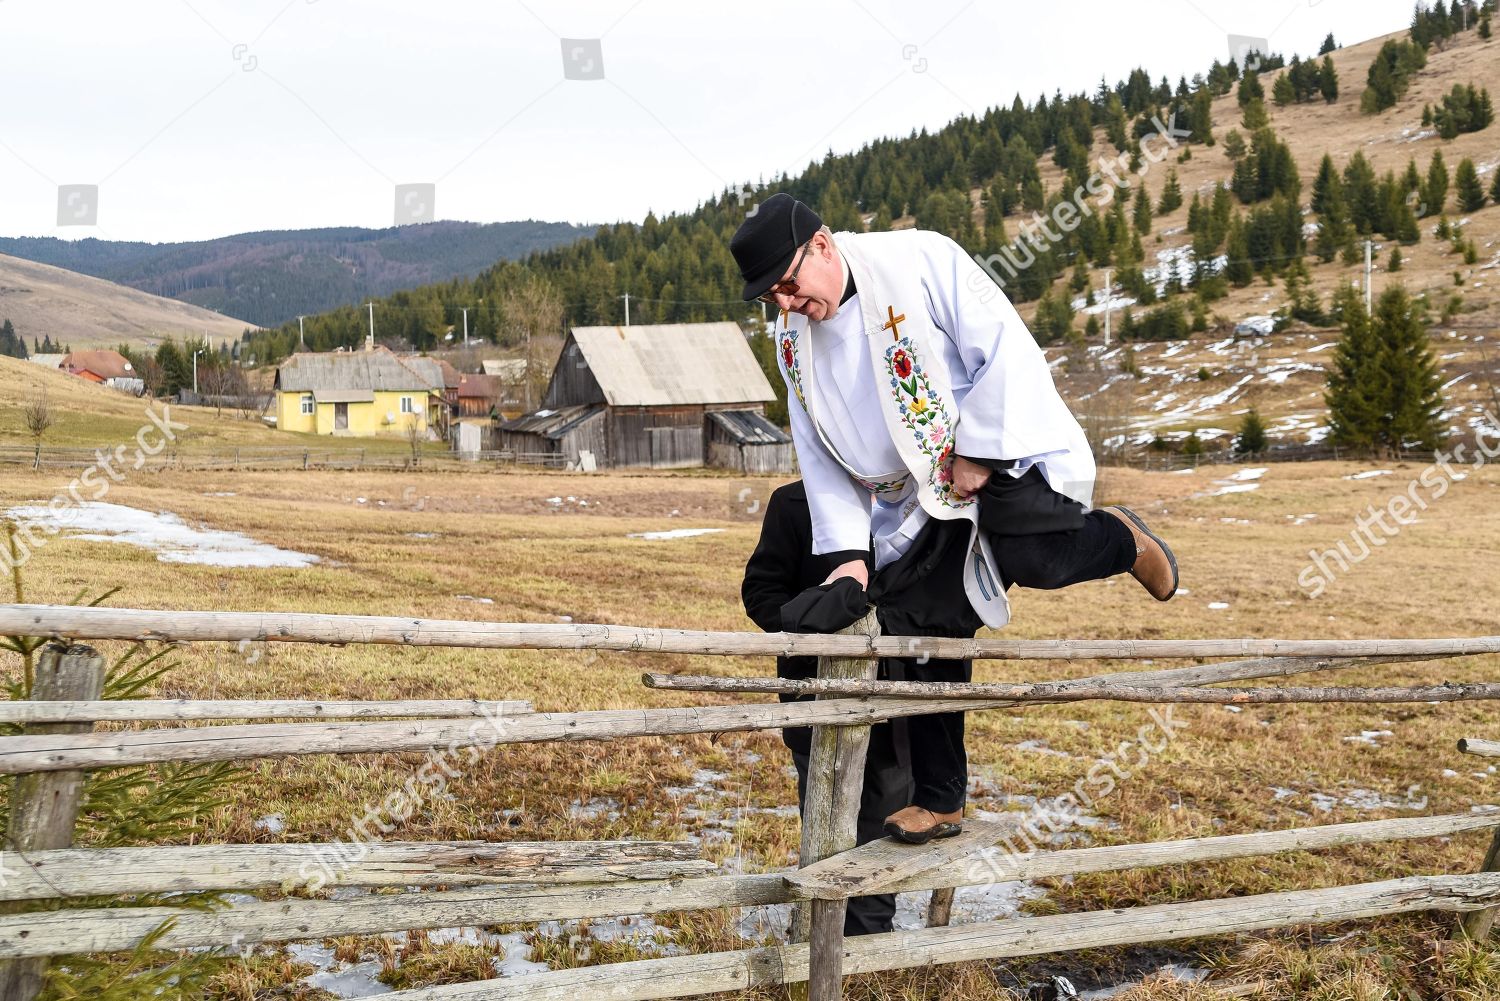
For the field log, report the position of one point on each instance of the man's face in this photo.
(820, 282)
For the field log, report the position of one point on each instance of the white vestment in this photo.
(879, 408)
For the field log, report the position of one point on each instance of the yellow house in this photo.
(357, 393)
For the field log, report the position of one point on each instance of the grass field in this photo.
(551, 547)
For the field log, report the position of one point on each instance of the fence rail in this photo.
(274, 457)
(539, 882)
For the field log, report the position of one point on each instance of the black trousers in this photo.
(887, 789)
(1041, 539)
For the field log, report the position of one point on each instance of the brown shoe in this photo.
(918, 825)
(1155, 566)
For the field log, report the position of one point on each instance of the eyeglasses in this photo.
(787, 285)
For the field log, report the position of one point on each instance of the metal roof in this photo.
(553, 423)
(104, 363)
(364, 370)
(749, 427)
(670, 363)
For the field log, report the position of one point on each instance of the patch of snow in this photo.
(1368, 737)
(1218, 606)
(271, 823)
(1369, 474)
(470, 597)
(173, 540)
(1253, 473)
(674, 533)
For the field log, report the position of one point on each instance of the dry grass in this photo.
(497, 536)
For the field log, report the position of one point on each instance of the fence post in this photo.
(44, 805)
(1476, 925)
(835, 782)
(940, 908)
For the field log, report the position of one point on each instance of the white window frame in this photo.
(407, 405)
(308, 405)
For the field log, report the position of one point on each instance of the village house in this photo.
(358, 393)
(658, 395)
(106, 367)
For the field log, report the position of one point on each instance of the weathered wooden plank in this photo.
(84, 872)
(230, 743)
(308, 627)
(686, 976)
(117, 929)
(141, 710)
(878, 865)
(1483, 748)
(1070, 691)
(44, 808)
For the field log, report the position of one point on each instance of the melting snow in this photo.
(674, 533)
(1367, 474)
(173, 539)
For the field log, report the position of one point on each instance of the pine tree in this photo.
(1436, 191)
(1495, 188)
(1252, 439)
(1470, 191)
(1250, 89)
(1328, 45)
(1142, 212)
(1256, 116)
(1484, 25)
(1356, 386)
(1238, 269)
(1328, 80)
(1414, 398)
(1171, 194)
(1302, 298)
(1282, 91)
(1334, 229)
(1395, 261)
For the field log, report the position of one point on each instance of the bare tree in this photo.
(153, 376)
(213, 383)
(38, 417)
(534, 311)
(416, 435)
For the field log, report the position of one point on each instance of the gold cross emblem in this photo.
(891, 324)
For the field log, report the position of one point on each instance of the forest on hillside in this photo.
(978, 181)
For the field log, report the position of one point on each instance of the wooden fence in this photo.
(485, 883)
(250, 457)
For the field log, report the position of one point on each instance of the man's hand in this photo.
(855, 569)
(969, 477)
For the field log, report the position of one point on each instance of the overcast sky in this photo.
(202, 118)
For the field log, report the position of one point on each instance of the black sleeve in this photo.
(991, 463)
(771, 575)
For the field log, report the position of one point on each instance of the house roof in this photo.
(377, 370)
(673, 363)
(344, 395)
(104, 363)
(553, 423)
(46, 360)
(486, 387)
(749, 427)
(451, 375)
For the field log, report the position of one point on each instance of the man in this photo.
(782, 566)
(925, 420)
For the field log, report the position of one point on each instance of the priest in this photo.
(926, 421)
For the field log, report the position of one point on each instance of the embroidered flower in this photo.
(918, 405)
(786, 352)
(902, 363)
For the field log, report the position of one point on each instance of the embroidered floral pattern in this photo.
(789, 359)
(921, 409)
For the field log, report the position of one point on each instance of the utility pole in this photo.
(466, 324)
(301, 337)
(195, 370)
(1109, 301)
(370, 341)
(626, 297)
(1368, 246)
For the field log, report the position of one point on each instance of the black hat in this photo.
(765, 243)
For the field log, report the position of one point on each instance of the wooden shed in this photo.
(657, 388)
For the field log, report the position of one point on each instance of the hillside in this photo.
(85, 312)
(1388, 140)
(270, 277)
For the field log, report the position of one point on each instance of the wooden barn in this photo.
(659, 395)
